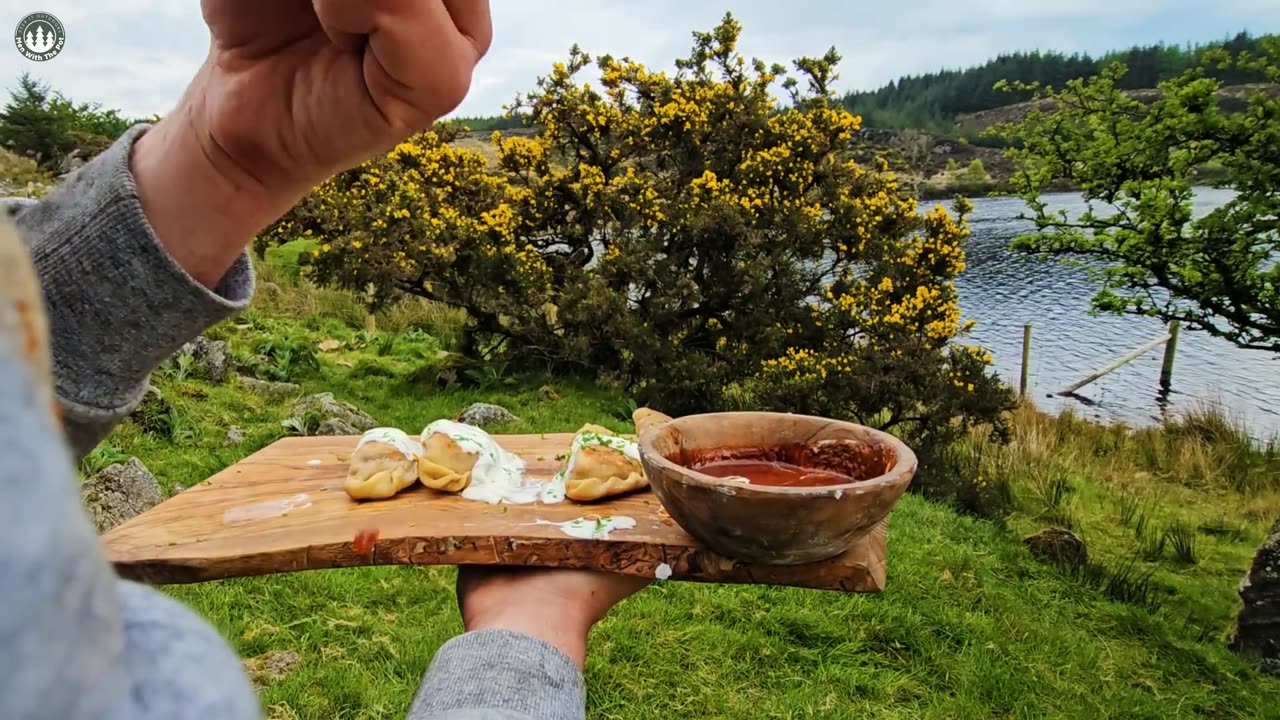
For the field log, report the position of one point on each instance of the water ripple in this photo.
(1002, 290)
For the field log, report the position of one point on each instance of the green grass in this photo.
(969, 626)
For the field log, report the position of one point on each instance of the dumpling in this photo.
(464, 458)
(384, 463)
(445, 464)
(601, 464)
(645, 418)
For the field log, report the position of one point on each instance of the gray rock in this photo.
(272, 389)
(120, 492)
(1057, 545)
(211, 358)
(235, 435)
(13, 205)
(326, 407)
(336, 427)
(1258, 626)
(481, 414)
(176, 489)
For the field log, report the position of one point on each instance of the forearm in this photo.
(119, 303)
(500, 675)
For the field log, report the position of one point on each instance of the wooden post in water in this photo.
(1171, 347)
(1026, 359)
(1118, 362)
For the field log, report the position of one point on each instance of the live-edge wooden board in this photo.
(283, 509)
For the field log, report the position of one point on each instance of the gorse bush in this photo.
(681, 235)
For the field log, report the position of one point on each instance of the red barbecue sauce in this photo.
(773, 473)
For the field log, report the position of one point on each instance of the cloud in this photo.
(137, 55)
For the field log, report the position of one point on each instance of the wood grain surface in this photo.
(283, 510)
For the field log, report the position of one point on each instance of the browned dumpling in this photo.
(601, 464)
(384, 463)
(445, 464)
(645, 418)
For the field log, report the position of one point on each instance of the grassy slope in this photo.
(970, 626)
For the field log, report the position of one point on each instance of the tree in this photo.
(43, 124)
(682, 236)
(1136, 165)
(30, 127)
(976, 173)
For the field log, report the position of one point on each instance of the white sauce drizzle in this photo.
(394, 437)
(498, 476)
(592, 529)
(586, 438)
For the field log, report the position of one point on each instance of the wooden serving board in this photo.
(283, 509)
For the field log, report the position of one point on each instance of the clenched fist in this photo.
(293, 91)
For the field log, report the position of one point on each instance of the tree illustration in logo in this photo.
(40, 41)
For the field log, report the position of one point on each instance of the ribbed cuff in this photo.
(118, 303)
(503, 671)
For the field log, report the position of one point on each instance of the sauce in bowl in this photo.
(821, 464)
(775, 474)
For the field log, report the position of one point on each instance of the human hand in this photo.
(558, 607)
(291, 92)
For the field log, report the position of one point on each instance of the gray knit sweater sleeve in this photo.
(76, 642)
(118, 303)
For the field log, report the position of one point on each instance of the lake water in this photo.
(1002, 290)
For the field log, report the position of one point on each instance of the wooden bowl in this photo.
(770, 524)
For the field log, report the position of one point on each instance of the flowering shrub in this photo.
(683, 235)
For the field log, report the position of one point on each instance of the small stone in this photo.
(120, 492)
(271, 389)
(481, 414)
(548, 394)
(337, 428)
(176, 489)
(1057, 545)
(329, 345)
(325, 406)
(235, 435)
(212, 358)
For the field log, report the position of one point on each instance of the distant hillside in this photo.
(936, 100)
(1233, 98)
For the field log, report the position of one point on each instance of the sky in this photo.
(138, 55)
